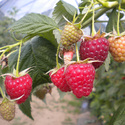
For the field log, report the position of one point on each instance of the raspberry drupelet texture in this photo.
(70, 34)
(117, 48)
(7, 110)
(96, 49)
(80, 78)
(59, 80)
(17, 87)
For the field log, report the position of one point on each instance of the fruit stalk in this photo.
(97, 15)
(18, 60)
(57, 61)
(93, 28)
(77, 53)
(1, 92)
(86, 13)
(118, 32)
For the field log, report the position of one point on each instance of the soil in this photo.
(55, 112)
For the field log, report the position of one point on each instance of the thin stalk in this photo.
(85, 14)
(77, 53)
(1, 92)
(97, 8)
(93, 28)
(118, 32)
(57, 54)
(3, 53)
(97, 15)
(17, 67)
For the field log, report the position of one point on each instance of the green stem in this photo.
(97, 15)
(57, 54)
(85, 14)
(17, 67)
(3, 53)
(101, 21)
(97, 8)
(93, 28)
(77, 53)
(1, 92)
(118, 32)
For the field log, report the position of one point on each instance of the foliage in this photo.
(5, 36)
(109, 94)
(39, 53)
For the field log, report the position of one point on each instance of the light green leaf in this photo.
(57, 35)
(26, 108)
(69, 8)
(107, 62)
(62, 94)
(34, 24)
(63, 9)
(39, 54)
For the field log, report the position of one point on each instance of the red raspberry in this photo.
(16, 87)
(80, 78)
(59, 80)
(96, 49)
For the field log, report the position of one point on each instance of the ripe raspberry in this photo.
(16, 87)
(70, 34)
(59, 80)
(96, 49)
(80, 78)
(7, 109)
(117, 48)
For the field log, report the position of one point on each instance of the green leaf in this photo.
(83, 4)
(107, 62)
(69, 8)
(119, 1)
(118, 116)
(39, 54)
(61, 94)
(57, 35)
(26, 108)
(34, 24)
(112, 23)
(63, 9)
(49, 36)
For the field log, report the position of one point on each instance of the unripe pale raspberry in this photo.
(70, 34)
(7, 109)
(117, 48)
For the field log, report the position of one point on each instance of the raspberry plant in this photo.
(39, 51)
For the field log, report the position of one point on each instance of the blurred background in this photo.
(109, 88)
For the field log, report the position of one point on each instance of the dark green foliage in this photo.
(39, 54)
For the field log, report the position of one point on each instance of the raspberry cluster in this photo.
(77, 78)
